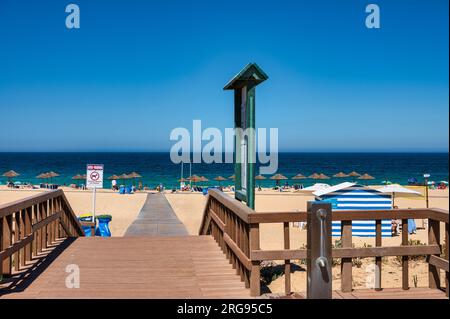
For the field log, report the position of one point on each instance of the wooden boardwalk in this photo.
(135, 267)
(156, 219)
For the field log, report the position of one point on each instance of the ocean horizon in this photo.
(156, 167)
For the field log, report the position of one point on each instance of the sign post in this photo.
(244, 84)
(94, 180)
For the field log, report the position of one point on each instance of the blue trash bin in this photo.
(128, 190)
(122, 190)
(103, 227)
(87, 229)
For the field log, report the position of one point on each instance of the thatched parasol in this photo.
(233, 177)
(220, 178)
(10, 174)
(134, 175)
(183, 180)
(204, 179)
(123, 177)
(51, 175)
(340, 175)
(260, 178)
(354, 174)
(278, 177)
(195, 178)
(323, 176)
(299, 176)
(78, 177)
(43, 176)
(113, 177)
(314, 176)
(366, 177)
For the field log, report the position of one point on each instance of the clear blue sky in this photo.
(137, 69)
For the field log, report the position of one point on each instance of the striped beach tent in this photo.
(351, 196)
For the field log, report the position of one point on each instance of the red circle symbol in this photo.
(95, 176)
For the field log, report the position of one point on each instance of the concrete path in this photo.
(156, 219)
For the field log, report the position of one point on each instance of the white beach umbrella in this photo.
(394, 189)
(313, 188)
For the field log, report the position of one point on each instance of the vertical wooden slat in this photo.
(43, 212)
(287, 262)
(23, 234)
(433, 239)
(27, 229)
(36, 240)
(16, 237)
(346, 263)
(378, 260)
(405, 267)
(255, 286)
(6, 242)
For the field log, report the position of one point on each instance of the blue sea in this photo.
(157, 167)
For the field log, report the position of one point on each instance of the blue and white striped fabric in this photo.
(358, 197)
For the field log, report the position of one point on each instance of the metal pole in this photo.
(93, 204)
(190, 174)
(319, 258)
(182, 164)
(426, 192)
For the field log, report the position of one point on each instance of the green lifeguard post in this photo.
(244, 85)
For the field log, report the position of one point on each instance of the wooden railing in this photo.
(30, 225)
(235, 227)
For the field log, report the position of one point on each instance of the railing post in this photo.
(287, 262)
(346, 263)
(255, 284)
(319, 258)
(433, 239)
(405, 267)
(378, 260)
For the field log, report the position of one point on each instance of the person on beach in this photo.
(114, 185)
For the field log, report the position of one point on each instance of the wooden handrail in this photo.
(30, 225)
(235, 227)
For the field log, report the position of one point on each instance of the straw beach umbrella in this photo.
(260, 178)
(123, 177)
(194, 179)
(51, 175)
(323, 176)
(43, 176)
(314, 176)
(354, 175)
(340, 175)
(299, 176)
(366, 177)
(78, 177)
(10, 175)
(278, 177)
(233, 177)
(134, 175)
(220, 179)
